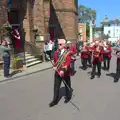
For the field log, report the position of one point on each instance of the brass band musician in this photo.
(97, 59)
(117, 51)
(62, 61)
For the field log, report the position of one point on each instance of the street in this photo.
(27, 98)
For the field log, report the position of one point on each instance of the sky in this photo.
(103, 7)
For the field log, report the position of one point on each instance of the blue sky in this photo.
(103, 7)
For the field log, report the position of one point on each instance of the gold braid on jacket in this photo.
(62, 59)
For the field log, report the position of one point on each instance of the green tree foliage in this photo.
(85, 15)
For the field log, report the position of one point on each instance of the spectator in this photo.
(5, 53)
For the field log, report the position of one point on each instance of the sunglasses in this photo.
(60, 44)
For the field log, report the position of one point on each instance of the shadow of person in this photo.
(63, 93)
(15, 72)
(113, 75)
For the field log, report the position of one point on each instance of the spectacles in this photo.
(60, 44)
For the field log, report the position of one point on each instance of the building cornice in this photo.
(66, 10)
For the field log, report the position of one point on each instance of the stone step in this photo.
(29, 57)
(26, 55)
(31, 60)
(33, 63)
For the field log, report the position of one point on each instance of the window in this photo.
(14, 15)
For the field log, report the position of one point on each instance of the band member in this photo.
(117, 50)
(90, 56)
(84, 55)
(79, 46)
(97, 59)
(62, 71)
(107, 55)
(72, 48)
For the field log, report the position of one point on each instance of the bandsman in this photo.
(117, 52)
(62, 61)
(84, 55)
(107, 55)
(97, 59)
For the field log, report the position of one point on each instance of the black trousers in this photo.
(6, 60)
(106, 62)
(49, 53)
(57, 84)
(84, 62)
(98, 65)
(72, 67)
(89, 59)
(117, 76)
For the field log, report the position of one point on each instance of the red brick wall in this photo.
(66, 18)
(3, 12)
(82, 30)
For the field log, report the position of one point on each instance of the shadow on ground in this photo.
(15, 72)
(111, 75)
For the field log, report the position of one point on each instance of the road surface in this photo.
(27, 98)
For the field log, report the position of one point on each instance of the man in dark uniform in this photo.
(97, 59)
(61, 73)
(117, 51)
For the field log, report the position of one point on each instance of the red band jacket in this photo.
(84, 53)
(107, 52)
(97, 56)
(65, 66)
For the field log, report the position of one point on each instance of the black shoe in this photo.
(90, 65)
(84, 68)
(53, 103)
(98, 76)
(67, 100)
(92, 77)
(116, 80)
(9, 76)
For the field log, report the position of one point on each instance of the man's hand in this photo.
(8, 42)
(55, 68)
(61, 73)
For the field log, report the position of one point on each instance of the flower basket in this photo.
(17, 63)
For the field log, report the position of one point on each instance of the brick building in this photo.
(40, 20)
(82, 31)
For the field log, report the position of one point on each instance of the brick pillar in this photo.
(28, 23)
(38, 18)
(47, 16)
(66, 18)
(3, 16)
(3, 12)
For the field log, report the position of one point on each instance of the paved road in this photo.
(27, 98)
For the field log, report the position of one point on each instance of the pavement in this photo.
(26, 71)
(27, 97)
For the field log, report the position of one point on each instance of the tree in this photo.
(85, 16)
